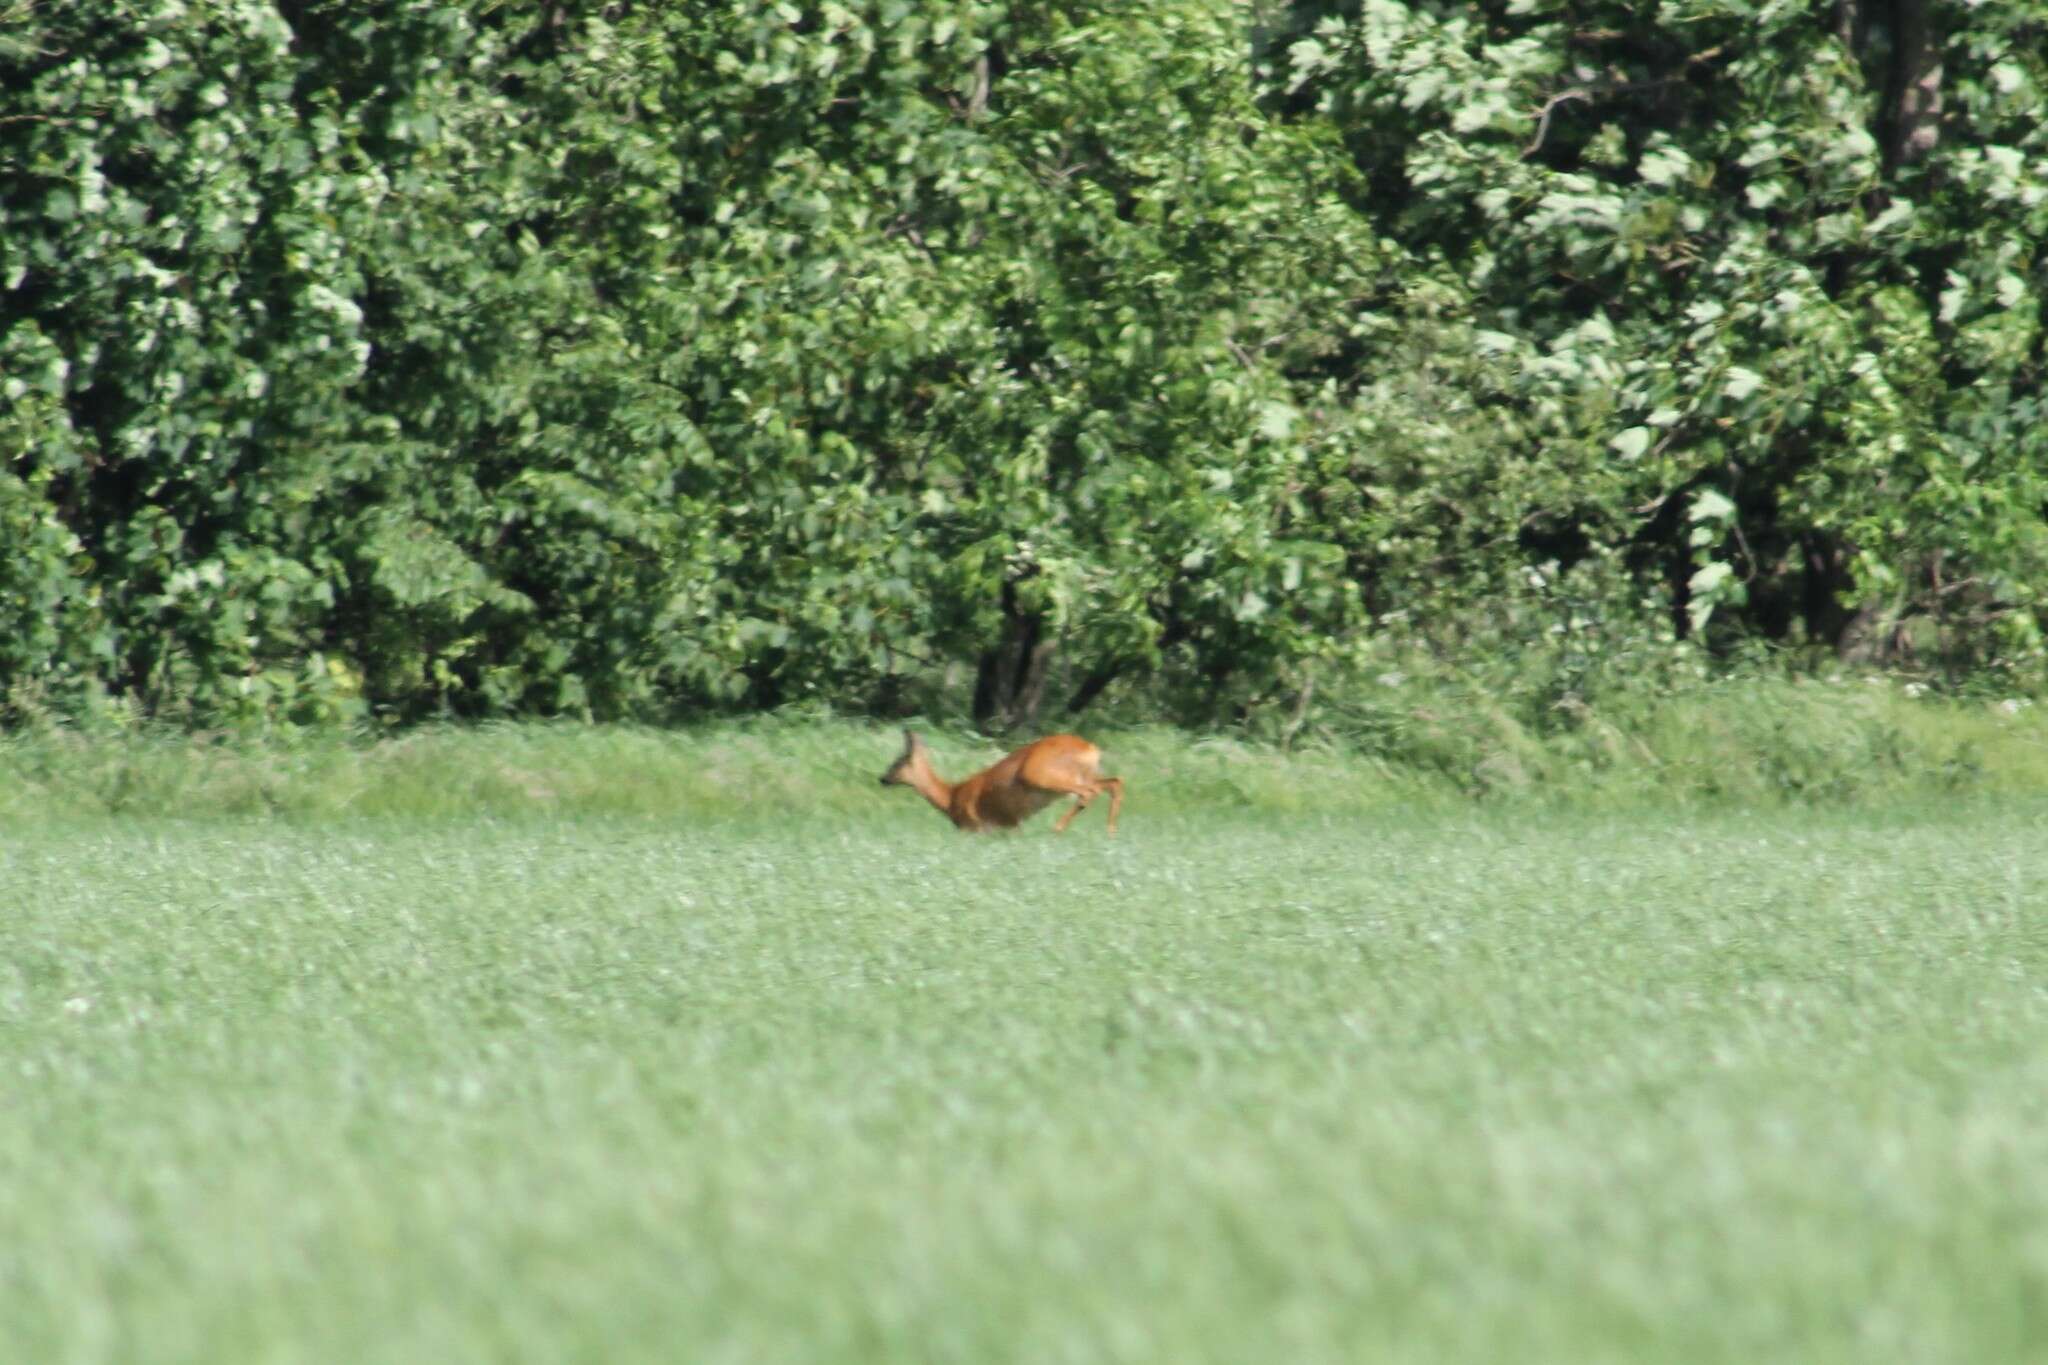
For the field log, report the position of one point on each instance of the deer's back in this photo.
(1024, 782)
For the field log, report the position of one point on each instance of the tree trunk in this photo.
(1912, 106)
(1849, 21)
(1009, 682)
(1825, 587)
(1092, 686)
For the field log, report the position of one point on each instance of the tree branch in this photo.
(1549, 108)
(1594, 92)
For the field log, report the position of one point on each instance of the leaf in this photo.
(1663, 166)
(1276, 420)
(1710, 504)
(1899, 213)
(1423, 88)
(1711, 585)
(1741, 383)
(1631, 443)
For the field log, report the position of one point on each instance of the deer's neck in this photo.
(930, 786)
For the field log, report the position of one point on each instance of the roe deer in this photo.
(1012, 790)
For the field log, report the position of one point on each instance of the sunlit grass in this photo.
(442, 1065)
(1743, 742)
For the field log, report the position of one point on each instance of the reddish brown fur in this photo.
(1015, 788)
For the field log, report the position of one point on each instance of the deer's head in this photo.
(916, 756)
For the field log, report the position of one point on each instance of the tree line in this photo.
(641, 360)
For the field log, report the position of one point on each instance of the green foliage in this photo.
(644, 361)
(178, 337)
(610, 364)
(1773, 340)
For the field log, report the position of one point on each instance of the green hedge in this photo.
(643, 361)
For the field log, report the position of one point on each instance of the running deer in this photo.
(1012, 790)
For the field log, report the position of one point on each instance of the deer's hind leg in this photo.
(1116, 799)
(1085, 792)
(1082, 796)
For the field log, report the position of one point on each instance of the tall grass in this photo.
(1740, 741)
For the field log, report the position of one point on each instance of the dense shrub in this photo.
(638, 361)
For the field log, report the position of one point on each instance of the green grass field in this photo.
(435, 1062)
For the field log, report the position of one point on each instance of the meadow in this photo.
(535, 1044)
